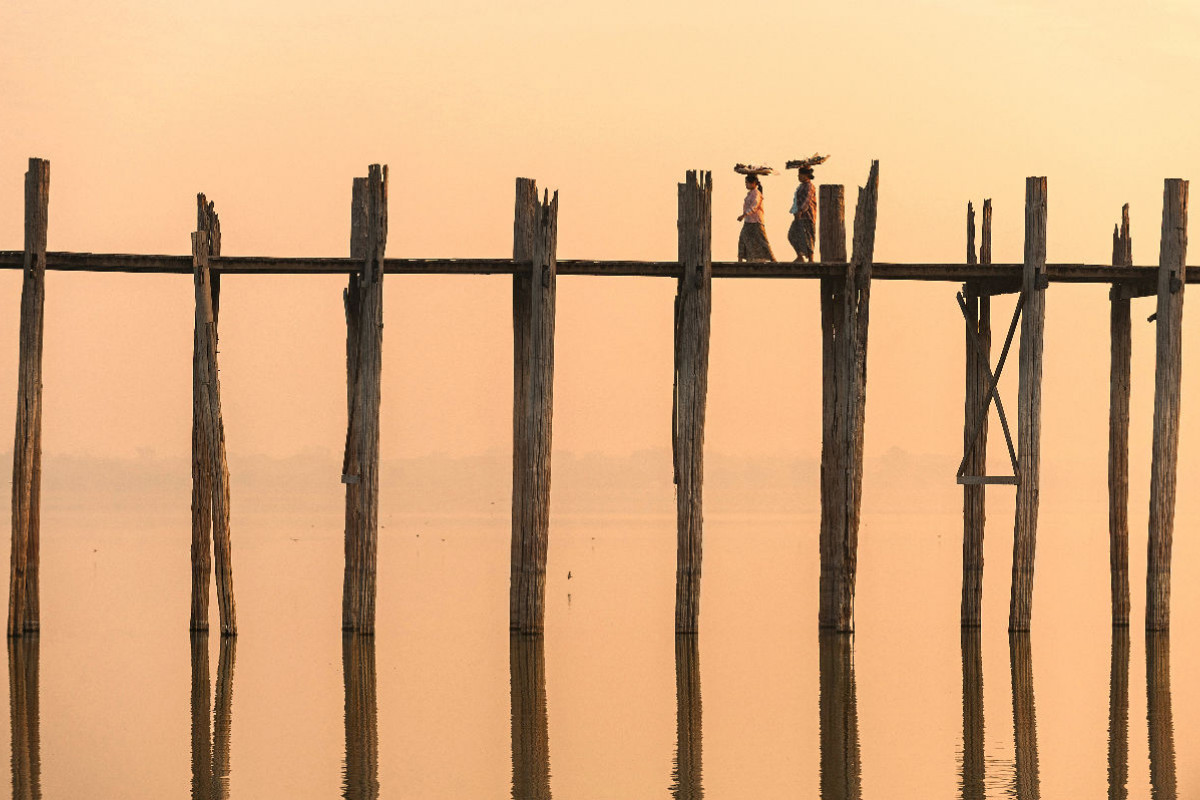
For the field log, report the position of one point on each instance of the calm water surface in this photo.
(116, 700)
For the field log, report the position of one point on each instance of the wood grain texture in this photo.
(368, 395)
(525, 215)
(1029, 407)
(978, 383)
(539, 420)
(352, 298)
(1168, 365)
(23, 603)
(212, 422)
(687, 771)
(831, 209)
(1120, 336)
(692, 331)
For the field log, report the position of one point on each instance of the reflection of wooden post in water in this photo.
(362, 728)
(687, 777)
(1158, 715)
(210, 753)
(1020, 655)
(972, 756)
(841, 768)
(530, 726)
(23, 710)
(1118, 714)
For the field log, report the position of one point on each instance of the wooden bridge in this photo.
(845, 292)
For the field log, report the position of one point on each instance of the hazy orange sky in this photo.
(272, 109)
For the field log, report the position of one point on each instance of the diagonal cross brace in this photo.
(993, 380)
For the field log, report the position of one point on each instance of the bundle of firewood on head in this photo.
(806, 165)
(752, 169)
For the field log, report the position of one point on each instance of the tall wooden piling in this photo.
(538, 425)
(364, 309)
(1118, 715)
(845, 414)
(841, 759)
(1029, 401)
(214, 470)
(1120, 329)
(524, 230)
(1168, 369)
(362, 726)
(978, 380)
(687, 775)
(24, 716)
(23, 606)
(692, 329)
(530, 721)
(1163, 783)
(833, 250)
(1026, 777)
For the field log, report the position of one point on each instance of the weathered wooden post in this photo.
(978, 381)
(973, 761)
(524, 229)
(1158, 715)
(23, 606)
(1118, 427)
(1118, 715)
(369, 223)
(530, 724)
(352, 303)
(841, 760)
(23, 712)
(1020, 655)
(687, 777)
(362, 727)
(833, 251)
(213, 471)
(845, 414)
(1029, 412)
(1168, 368)
(692, 329)
(539, 407)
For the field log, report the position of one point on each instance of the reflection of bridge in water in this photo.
(845, 277)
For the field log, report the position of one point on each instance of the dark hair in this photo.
(754, 179)
(806, 171)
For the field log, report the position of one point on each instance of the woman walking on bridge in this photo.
(803, 232)
(753, 244)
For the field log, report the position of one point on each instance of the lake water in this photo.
(116, 700)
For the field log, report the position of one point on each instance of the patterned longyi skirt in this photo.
(753, 244)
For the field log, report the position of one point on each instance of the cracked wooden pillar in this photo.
(1118, 427)
(1167, 373)
(1029, 406)
(978, 380)
(364, 353)
(692, 328)
(845, 314)
(352, 303)
(529, 717)
(532, 512)
(23, 606)
(210, 470)
(833, 250)
(524, 226)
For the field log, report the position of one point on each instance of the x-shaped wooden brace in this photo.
(993, 379)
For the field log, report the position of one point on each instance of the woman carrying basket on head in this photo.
(752, 243)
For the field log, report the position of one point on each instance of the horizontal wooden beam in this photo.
(996, 277)
(976, 480)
